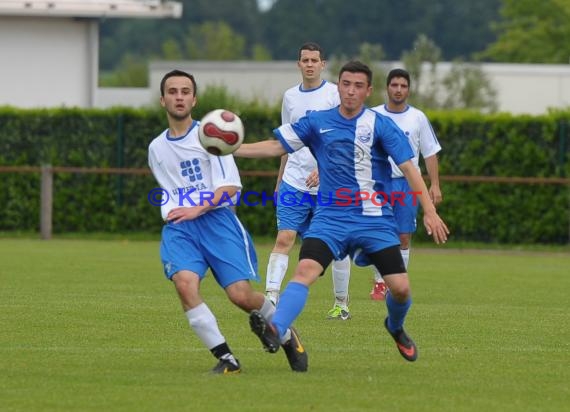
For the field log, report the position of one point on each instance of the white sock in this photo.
(267, 309)
(406, 256)
(286, 336)
(204, 323)
(341, 278)
(377, 275)
(276, 270)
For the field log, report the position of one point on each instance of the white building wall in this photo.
(47, 62)
(107, 97)
(262, 81)
(521, 88)
(530, 88)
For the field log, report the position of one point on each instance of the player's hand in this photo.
(435, 195)
(313, 179)
(436, 227)
(180, 214)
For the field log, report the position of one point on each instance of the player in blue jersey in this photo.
(298, 178)
(351, 144)
(200, 235)
(416, 126)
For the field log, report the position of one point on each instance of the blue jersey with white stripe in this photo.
(352, 158)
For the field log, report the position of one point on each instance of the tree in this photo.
(465, 86)
(424, 51)
(144, 38)
(132, 72)
(214, 41)
(371, 55)
(460, 27)
(260, 53)
(532, 31)
(171, 50)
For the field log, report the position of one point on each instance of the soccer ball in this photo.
(221, 132)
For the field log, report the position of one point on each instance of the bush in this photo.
(473, 145)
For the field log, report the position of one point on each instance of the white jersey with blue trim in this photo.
(352, 157)
(297, 102)
(416, 126)
(187, 173)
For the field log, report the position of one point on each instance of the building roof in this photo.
(91, 8)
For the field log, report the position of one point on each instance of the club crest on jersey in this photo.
(363, 133)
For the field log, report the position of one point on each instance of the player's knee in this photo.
(285, 240)
(187, 287)
(400, 291)
(240, 300)
(307, 272)
(241, 295)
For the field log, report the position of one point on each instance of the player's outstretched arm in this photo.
(434, 225)
(267, 148)
(432, 167)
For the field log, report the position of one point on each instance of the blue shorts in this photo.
(354, 234)
(294, 209)
(215, 240)
(405, 211)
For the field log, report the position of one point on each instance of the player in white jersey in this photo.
(201, 232)
(415, 124)
(354, 215)
(297, 177)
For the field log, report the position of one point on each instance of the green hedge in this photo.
(473, 144)
(505, 145)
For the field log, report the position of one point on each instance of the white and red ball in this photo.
(221, 132)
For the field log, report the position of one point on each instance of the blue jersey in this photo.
(352, 158)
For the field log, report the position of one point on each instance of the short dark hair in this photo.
(177, 73)
(398, 73)
(355, 66)
(312, 46)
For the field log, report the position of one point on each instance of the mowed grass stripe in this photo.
(93, 325)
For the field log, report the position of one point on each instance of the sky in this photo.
(265, 4)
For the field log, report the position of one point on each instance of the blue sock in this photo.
(291, 304)
(396, 312)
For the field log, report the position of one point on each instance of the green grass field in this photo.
(92, 325)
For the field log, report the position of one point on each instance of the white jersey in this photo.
(296, 104)
(417, 128)
(187, 174)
